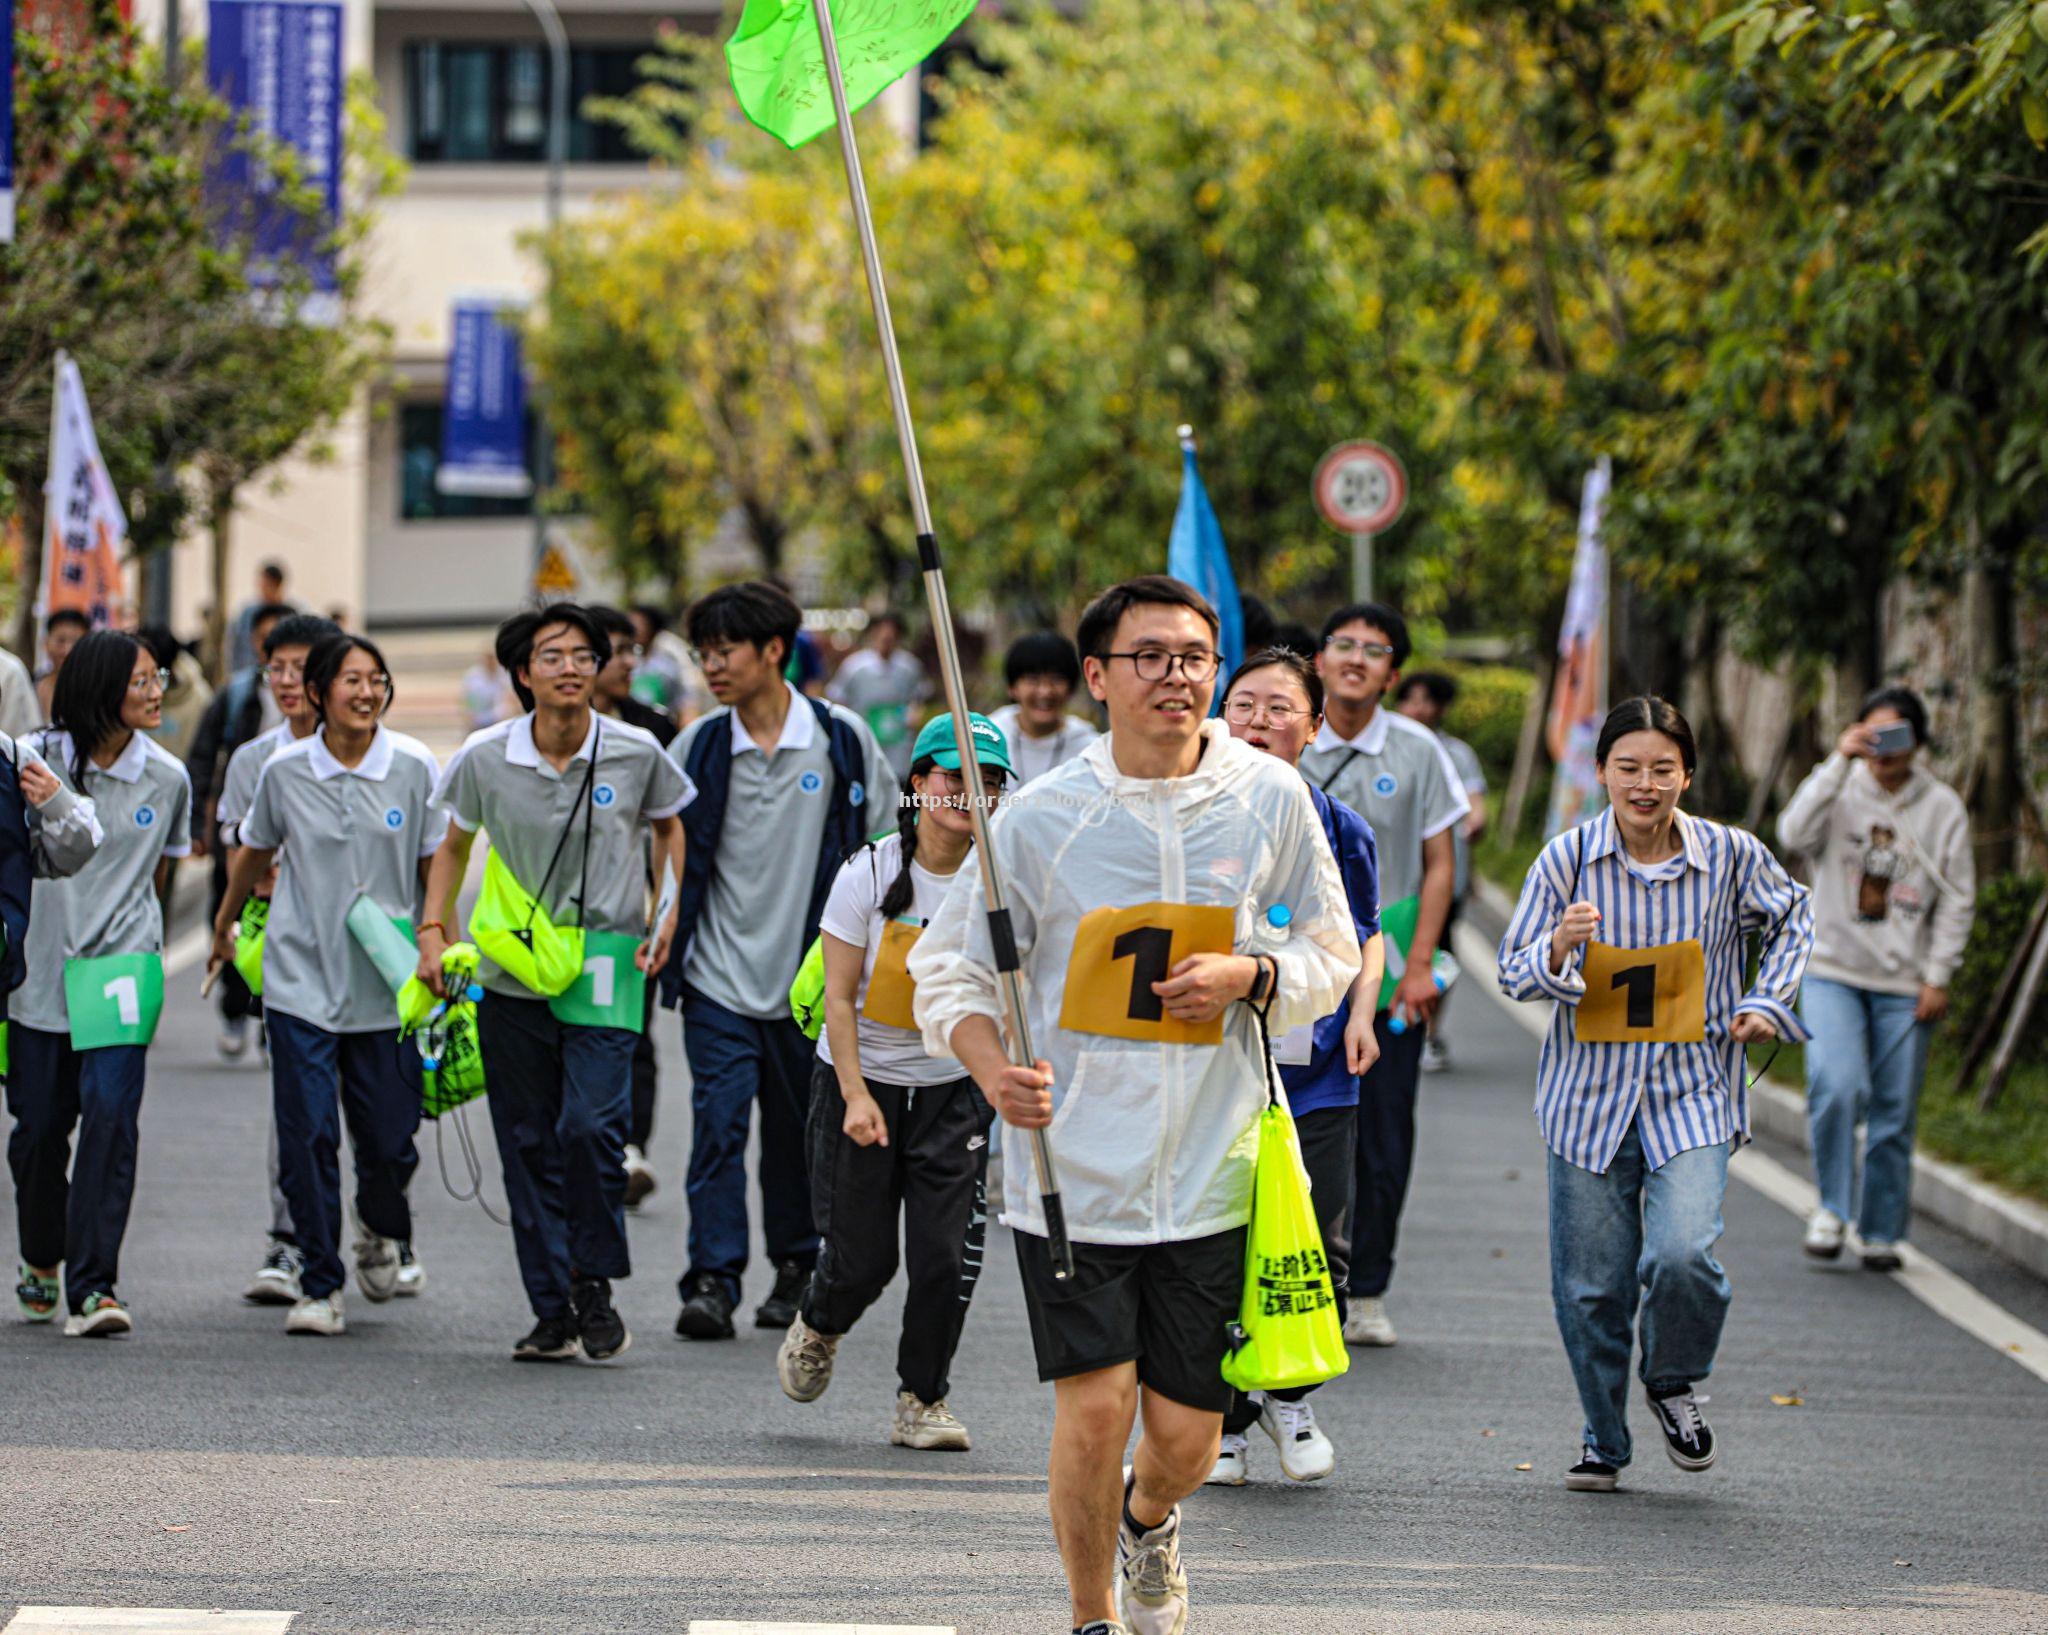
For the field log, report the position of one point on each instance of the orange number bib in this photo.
(1643, 995)
(890, 989)
(1120, 952)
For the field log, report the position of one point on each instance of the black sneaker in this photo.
(1687, 1437)
(707, 1313)
(602, 1329)
(778, 1311)
(1592, 1475)
(553, 1340)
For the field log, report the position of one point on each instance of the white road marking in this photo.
(699, 1626)
(1921, 1275)
(145, 1621)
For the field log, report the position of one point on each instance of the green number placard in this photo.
(610, 991)
(113, 1000)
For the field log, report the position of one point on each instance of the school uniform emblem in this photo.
(145, 817)
(395, 818)
(810, 783)
(1385, 784)
(603, 795)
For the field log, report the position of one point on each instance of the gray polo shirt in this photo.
(341, 833)
(238, 785)
(143, 804)
(1400, 781)
(499, 782)
(749, 937)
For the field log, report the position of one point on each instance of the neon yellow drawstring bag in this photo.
(249, 934)
(1287, 1332)
(807, 992)
(512, 930)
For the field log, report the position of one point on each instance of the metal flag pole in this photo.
(1001, 937)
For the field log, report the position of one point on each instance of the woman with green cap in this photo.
(894, 1132)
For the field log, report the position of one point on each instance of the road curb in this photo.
(2016, 1227)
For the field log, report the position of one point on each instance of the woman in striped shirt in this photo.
(1637, 924)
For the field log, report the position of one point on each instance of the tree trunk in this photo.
(219, 511)
(1528, 745)
(32, 529)
(1993, 708)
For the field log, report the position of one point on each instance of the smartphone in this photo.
(1893, 738)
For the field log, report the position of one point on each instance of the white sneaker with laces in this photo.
(321, 1316)
(929, 1425)
(1367, 1322)
(1305, 1453)
(1230, 1468)
(276, 1282)
(804, 1362)
(1824, 1233)
(377, 1266)
(1152, 1590)
(412, 1276)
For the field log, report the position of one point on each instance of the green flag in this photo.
(778, 61)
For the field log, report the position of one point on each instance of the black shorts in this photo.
(1167, 1307)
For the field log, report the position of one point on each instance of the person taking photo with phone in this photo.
(1895, 890)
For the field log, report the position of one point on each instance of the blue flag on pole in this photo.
(1196, 555)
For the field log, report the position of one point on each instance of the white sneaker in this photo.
(233, 1038)
(1367, 1323)
(377, 1266)
(321, 1316)
(1152, 1591)
(1230, 1468)
(1435, 1059)
(276, 1282)
(639, 1177)
(1880, 1255)
(1305, 1453)
(929, 1425)
(412, 1276)
(804, 1362)
(102, 1315)
(1824, 1232)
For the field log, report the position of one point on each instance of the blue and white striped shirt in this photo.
(1724, 886)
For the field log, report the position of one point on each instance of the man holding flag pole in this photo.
(1101, 1324)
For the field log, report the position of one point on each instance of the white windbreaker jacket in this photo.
(1154, 1141)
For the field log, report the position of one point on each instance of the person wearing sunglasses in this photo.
(80, 1024)
(346, 816)
(1638, 923)
(898, 1139)
(1393, 773)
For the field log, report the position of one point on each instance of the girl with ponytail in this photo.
(895, 1132)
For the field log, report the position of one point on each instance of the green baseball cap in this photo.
(935, 738)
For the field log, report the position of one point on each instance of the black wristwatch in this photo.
(1263, 981)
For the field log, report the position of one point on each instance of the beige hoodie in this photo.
(1895, 886)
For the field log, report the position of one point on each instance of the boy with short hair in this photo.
(1041, 671)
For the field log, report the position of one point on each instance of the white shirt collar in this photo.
(375, 764)
(520, 749)
(128, 765)
(799, 727)
(1372, 737)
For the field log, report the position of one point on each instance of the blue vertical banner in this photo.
(1196, 555)
(6, 121)
(280, 62)
(483, 423)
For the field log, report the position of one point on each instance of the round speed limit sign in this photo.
(1361, 488)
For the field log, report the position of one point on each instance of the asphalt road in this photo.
(408, 1477)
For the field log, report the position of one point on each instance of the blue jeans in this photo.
(1636, 1235)
(1867, 1060)
(561, 1099)
(316, 1079)
(52, 1089)
(735, 1061)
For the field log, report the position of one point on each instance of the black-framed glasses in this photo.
(1198, 664)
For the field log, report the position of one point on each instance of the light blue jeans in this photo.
(1637, 1236)
(1866, 1062)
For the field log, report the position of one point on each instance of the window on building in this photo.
(419, 458)
(484, 103)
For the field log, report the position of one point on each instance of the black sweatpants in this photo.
(1329, 1137)
(1386, 1154)
(644, 1077)
(933, 1173)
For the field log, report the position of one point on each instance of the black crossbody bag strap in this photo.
(1343, 767)
(561, 840)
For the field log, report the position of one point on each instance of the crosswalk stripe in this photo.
(145, 1621)
(700, 1626)
(1922, 1276)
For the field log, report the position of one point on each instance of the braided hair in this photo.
(901, 889)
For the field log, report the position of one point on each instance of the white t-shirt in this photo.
(1034, 757)
(889, 1055)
